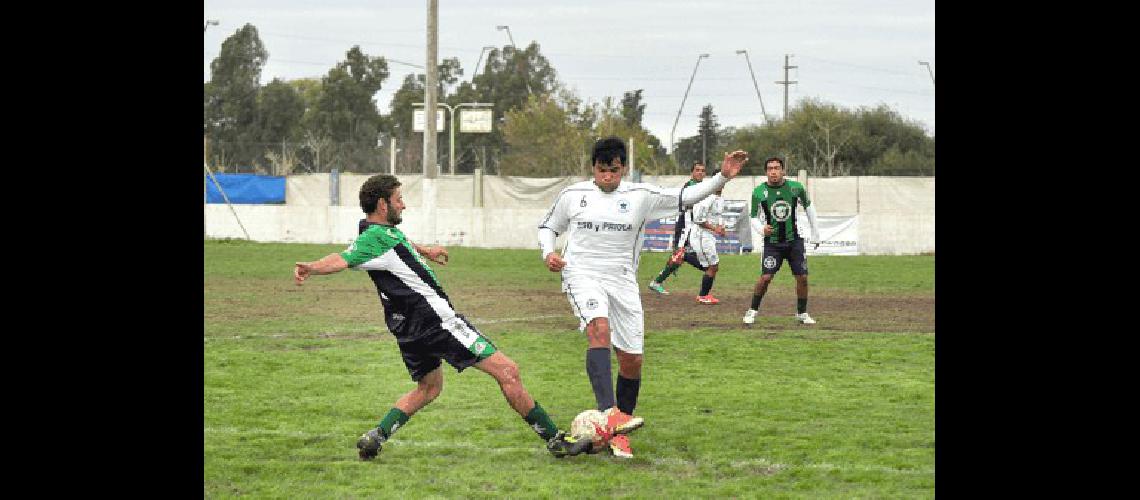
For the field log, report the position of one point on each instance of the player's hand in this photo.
(436, 254)
(301, 272)
(554, 262)
(767, 229)
(719, 230)
(732, 164)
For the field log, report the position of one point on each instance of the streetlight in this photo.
(503, 27)
(672, 145)
(746, 58)
(451, 112)
(924, 63)
(475, 69)
(211, 22)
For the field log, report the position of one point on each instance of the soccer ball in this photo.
(594, 426)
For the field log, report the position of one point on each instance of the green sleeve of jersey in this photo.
(369, 245)
(755, 204)
(804, 197)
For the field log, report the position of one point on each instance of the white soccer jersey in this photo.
(606, 229)
(708, 210)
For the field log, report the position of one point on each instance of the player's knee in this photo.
(429, 390)
(765, 278)
(509, 374)
(631, 363)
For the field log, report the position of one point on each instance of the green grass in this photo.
(844, 409)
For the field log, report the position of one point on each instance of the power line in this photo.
(869, 68)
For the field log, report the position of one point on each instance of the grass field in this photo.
(841, 409)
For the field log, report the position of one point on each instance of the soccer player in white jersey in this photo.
(604, 219)
(697, 246)
(419, 314)
(704, 226)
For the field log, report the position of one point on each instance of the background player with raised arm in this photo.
(677, 245)
(774, 216)
(604, 220)
(419, 314)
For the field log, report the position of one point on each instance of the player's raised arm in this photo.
(331, 263)
(730, 168)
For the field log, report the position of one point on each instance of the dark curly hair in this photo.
(376, 188)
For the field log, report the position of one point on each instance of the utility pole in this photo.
(785, 83)
(430, 91)
(431, 159)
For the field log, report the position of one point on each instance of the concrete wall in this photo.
(896, 214)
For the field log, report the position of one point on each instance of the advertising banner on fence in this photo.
(839, 234)
(659, 232)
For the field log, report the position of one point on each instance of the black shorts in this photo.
(775, 253)
(447, 342)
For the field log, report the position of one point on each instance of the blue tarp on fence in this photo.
(246, 188)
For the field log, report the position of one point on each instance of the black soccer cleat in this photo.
(370, 444)
(562, 445)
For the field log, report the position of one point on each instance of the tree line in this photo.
(541, 128)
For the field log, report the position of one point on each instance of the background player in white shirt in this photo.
(697, 246)
(605, 219)
(703, 228)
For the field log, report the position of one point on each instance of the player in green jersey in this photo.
(419, 314)
(774, 216)
(696, 174)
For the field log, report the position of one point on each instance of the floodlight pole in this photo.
(924, 63)
(762, 110)
(503, 27)
(475, 69)
(672, 145)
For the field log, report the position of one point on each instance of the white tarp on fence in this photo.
(888, 215)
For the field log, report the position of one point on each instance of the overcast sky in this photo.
(853, 53)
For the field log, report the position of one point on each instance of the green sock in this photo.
(669, 269)
(540, 422)
(393, 421)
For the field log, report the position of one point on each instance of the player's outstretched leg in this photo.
(370, 443)
(565, 445)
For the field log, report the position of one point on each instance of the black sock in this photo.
(599, 370)
(627, 389)
(756, 302)
(706, 284)
(801, 306)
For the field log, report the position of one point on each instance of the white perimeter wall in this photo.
(896, 214)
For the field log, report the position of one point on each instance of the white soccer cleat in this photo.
(750, 316)
(805, 319)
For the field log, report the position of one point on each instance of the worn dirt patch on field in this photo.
(832, 312)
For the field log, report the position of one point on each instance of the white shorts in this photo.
(612, 296)
(703, 244)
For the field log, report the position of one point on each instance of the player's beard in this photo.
(394, 218)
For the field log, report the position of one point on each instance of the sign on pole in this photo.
(418, 120)
(475, 120)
